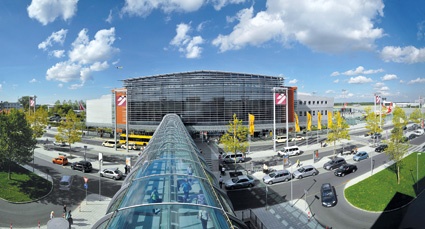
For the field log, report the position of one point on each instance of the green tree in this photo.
(16, 139)
(25, 102)
(416, 116)
(37, 121)
(235, 139)
(374, 122)
(396, 146)
(69, 131)
(338, 130)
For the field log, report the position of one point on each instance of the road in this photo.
(29, 214)
(343, 215)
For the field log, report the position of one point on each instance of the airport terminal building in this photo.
(205, 101)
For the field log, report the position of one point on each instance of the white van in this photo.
(110, 143)
(281, 139)
(65, 183)
(231, 157)
(289, 151)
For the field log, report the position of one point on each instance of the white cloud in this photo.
(361, 70)
(185, 43)
(417, 80)
(57, 53)
(330, 26)
(389, 77)
(86, 56)
(336, 81)
(335, 74)
(144, 7)
(88, 52)
(109, 18)
(33, 81)
(46, 11)
(218, 4)
(55, 37)
(64, 72)
(294, 81)
(329, 91)
(408, 54)
(379, 84)
(359, 80)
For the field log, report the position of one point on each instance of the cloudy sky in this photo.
(79, 50)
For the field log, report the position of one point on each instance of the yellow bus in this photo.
(138, 140)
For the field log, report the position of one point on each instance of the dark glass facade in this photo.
(169, 187)
(203, 99)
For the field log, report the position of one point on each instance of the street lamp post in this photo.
(417, 171)
(85, 149)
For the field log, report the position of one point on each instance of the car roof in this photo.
(326, 185)
(308, 166)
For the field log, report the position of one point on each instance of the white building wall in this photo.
(313, 104)
(99, 112)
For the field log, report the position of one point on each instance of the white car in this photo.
(115, 174)
(60, 143)
(419, 132)
(298, 138)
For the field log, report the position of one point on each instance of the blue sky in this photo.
(349, 50)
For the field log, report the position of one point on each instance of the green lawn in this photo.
(23, 186)
(381, 191)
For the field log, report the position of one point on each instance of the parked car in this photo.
(60, 143)
(298, 138)
(345, 169)
(230, 157)
(381, 148)
(334, 163)
(241, 181)
(412, 136)
(110, 143)
(305, 171)
(131, 146)
(61, 160)
(115, 173)
(277, 176)
(376, 136)
(280, 139)
(419, 132)
(350, 149)
(289, 151)
(360, 156)
(328, 195)
(84, 166)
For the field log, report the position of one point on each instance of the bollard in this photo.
(309, 216)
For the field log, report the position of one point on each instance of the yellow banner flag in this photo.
(319, 120)
(329, 120)
(297, 124)
(251, 124)
(338, 119)
(308, 121)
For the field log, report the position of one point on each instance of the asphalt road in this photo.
(29, 214)
(343, 215)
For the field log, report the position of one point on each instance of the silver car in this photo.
(305, 171)
(115, 174)
(277, 176)
(241, 181)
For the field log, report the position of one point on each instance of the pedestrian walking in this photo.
(201, 197)
(298, 163)
(186, 189)
(69, 218)
(125, 169)
(220, 181)
(223, 170)
(52, 215)
(203, 216)
(64, 208)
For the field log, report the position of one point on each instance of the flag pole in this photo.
(274, 120)
(115, 107)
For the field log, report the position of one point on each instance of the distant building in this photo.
(313, 104)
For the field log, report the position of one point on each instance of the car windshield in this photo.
(301, 169)
(272, 174)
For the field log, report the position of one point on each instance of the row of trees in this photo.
(61, 108)
(19, 131)
(235, 139)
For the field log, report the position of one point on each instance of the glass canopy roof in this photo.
(170, 187)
